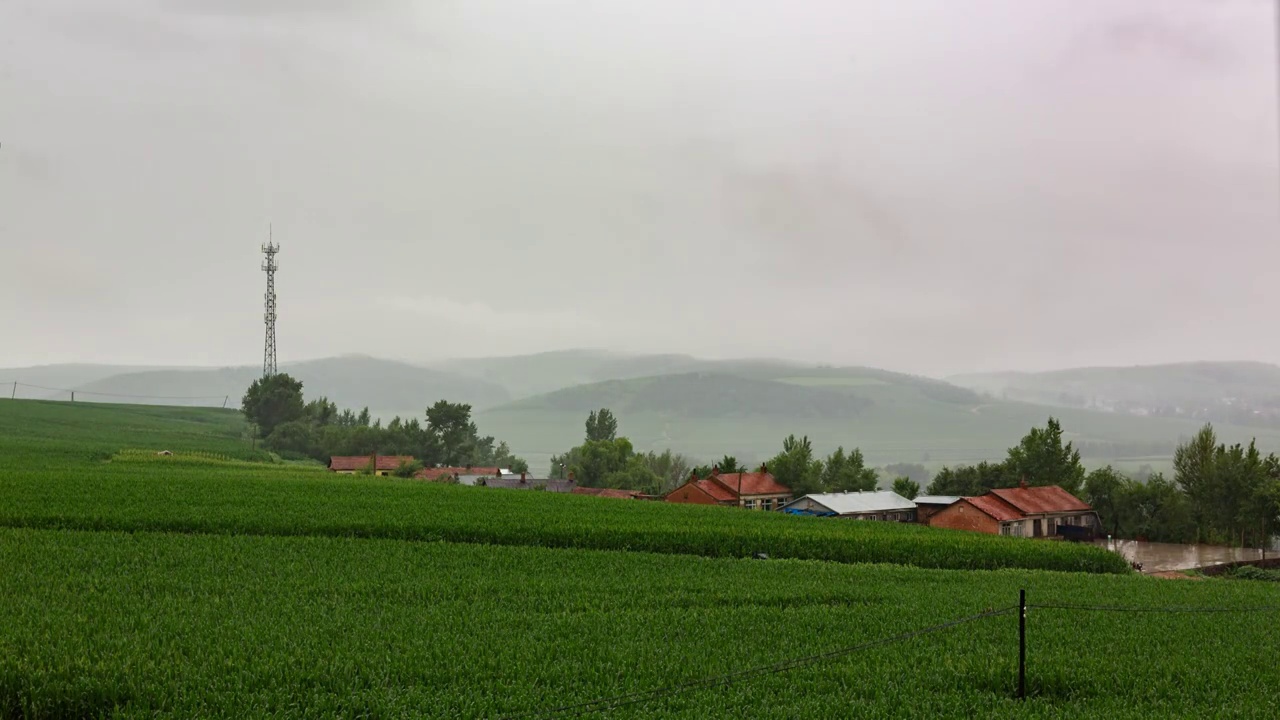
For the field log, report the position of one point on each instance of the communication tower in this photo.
(269, 266)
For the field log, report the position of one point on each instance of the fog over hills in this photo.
(706, 408)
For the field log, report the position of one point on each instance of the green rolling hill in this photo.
(387, 388)
(892, 417)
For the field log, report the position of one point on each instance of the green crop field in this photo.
(204, 585)
(151, 624)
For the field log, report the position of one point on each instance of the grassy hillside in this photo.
(387, 388)
(38, 432)
(893, 418)
(1242, 392)
(528, 375)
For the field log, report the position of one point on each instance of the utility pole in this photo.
(269, 266)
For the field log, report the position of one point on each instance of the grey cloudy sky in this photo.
(925, 185)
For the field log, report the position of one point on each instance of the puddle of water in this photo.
(1168, 556)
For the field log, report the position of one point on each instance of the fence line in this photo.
(617, 701)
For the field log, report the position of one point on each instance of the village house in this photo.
(1045, 511)
(382, 464)
(929, 505)
(749, 490)
(522, 481)
(871, 505)
(466, 475)
(611, 493)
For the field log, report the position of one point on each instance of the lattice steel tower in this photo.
(269, 266)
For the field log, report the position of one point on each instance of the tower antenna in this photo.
(269, 266)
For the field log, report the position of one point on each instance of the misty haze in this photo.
(297, 294)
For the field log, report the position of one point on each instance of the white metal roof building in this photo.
(937, 499)
(873, 505)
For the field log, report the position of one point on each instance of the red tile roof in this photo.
(720, 494)
(752, 483)
(608, 493)
(360, 462)
(1044, 499)
(995, 507)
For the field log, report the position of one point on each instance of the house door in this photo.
(1036, 529)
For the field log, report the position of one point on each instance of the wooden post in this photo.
(1022, 644)
(73, 396)
(14, 394)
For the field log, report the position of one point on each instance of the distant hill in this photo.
(891, 416)
(528, 375)
(1246, 393)
(45, 381)
(387, 388)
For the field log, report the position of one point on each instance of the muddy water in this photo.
(1167, 556)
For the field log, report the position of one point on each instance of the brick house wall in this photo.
(963, 516)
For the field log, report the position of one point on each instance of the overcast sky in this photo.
(933, 186)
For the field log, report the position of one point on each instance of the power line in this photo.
(119, 395)
(610, 703)
(1139, 609)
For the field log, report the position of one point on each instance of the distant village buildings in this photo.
(748, 490)
(1024, 511)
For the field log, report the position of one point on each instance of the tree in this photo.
(450, 424)
(601, 425)
(672, 469)
(1194, 473)
(1043, 459)
(848, 473)
(906, 487)
(1105, 490)
(968, 480)
(272, 401)
(296, 436)
(408, 468)
(796, 467)
(729, 464)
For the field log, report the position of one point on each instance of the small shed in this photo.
(929, 505)
(870, 505)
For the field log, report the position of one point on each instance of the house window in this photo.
(766, 504)
(1012, 529)
(749, 504)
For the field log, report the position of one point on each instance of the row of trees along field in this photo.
(1219, 494)
(298, 429)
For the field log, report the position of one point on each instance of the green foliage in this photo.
(601, 426)
(671, 469)
(1252, 572)
(796, 467)
(1234, 492)
(968, 480)
(848, 473)
(1043, 459)
(408, 469)
(271, 401)
(1154, 510)
(906, 487)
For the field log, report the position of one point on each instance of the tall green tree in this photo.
(968, 480)
(796, 467)
(1043, 459)
(906, 487)
(272, 401)
(1105, 490)
(451, 427)
(848, 473)
(602, 425)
